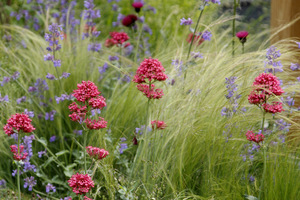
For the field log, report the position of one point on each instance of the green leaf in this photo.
(42, 141)
(50, 159)
(68, 173)
(71, 166)
(61, 153)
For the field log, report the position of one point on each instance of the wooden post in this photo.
(283, 12)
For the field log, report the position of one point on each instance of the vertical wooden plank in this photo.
(283, 12)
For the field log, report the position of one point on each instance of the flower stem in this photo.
(53, 50)
(243, 48)
(233, 25)
(148, 108)
(18, 170)
(193, 37)
(265, 160)
(84, 150)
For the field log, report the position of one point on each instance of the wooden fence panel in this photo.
(283, 12)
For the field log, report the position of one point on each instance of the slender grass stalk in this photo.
(265, 159)
(18, 170)
(84, 149)
(193, 37)
(233, 25)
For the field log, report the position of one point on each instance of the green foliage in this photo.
(192, 158)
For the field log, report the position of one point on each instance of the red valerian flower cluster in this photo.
(86, 198)
(96, 124)
(88, 94)
(158, 124)
(18, 122)
(81, 183)
(150, 93)
(85, 91)
(274, 108)
(149, 71)
(96, 153)
(118, 39)
(18, 156)
(264, 87)
(251, 136)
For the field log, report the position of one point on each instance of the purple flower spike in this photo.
(184, 21)
(52, 138)
(50, 76)
(295, 66)
(50, 187)
(207, 35)
(65, 75)
(29, 182)
(213, 1)
(41, 153)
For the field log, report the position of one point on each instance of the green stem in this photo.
(233, 25)
(265, 159)
(84, 149)
(243, 47)
(18, 172)
(148, 108)
(193, 37)
(53, 50)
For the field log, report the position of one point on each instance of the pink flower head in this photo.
(150, 69)
(269, 83)
(137, 6)
(85, 91)
(76, 108)
(242, 35)
(81, 183)
(77, 117)
(119, 37)
(18, 122)
(256, 98)
(129, 20)
(158, 124)
(18, 156)
(110, 42)
(96, 124)
(275, 107)
(86, 198)
(97, 102)
(264, 86)
(151, 94)
(251, 136)
(96, 153)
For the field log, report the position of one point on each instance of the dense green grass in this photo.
(192, 158)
